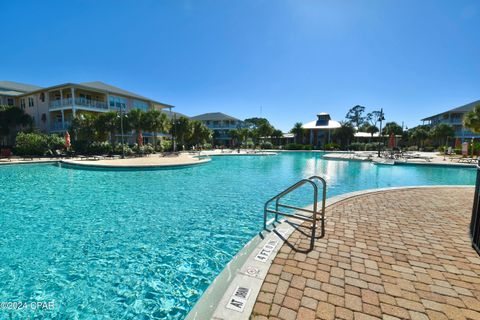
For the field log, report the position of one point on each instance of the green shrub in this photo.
(357, 146)
(371, 146)
(294, 146)
(331, 146)
(207, 146)
(248, 144)
(31, 144)
(308, 147)
(167, 145)
(266, 145)
(428, 149)
(100, 148)
(55, 142)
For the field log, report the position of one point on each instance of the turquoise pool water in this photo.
(146, 244)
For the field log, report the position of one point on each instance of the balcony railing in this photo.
(57, 126)
(78, 102)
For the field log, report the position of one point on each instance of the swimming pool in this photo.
(146, 244)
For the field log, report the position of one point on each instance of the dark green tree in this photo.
(392, 127)
(298, 131)
(344, 135)
(355, 116)
(472, 119)
(442, 132)
(12, 119)
(372, 130)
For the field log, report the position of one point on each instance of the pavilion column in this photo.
(61, 97)
(63, 119)
(73, 101)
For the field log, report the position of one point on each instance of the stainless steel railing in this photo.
(313, 216)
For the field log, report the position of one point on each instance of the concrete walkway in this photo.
(399, 254)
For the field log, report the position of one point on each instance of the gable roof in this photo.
(214, 116)
(172, 114)
(462, 109)
(323, 121)
(99, 86)
(17, 86)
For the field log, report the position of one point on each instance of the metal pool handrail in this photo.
(313, 213)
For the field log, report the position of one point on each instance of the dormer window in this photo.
(323, 119)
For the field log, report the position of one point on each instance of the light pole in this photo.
(381, 118)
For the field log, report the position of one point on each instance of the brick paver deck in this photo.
(402, 254)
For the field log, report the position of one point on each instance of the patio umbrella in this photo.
(67, 140)
(140, 139)
(391, 141)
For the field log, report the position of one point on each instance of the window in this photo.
(22, 103)
(42, 96)
(142, 105)
(10, 101)
(30, 102)
(118, 103)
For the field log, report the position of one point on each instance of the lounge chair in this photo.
(467, 160)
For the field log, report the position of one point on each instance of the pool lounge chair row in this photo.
(401, 155)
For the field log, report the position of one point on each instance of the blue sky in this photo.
(284, 60)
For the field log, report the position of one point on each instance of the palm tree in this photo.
(442, 132)
(277, 134)
(297, 130)
(234, 134)
(419, 134)
(156, 121)
(11, 118)
(472, 119)
(183, 130)
(107, 123)
(344, 134)
(137, 121)
(243, 135)
(372, 130)
(200, 133)
(84, 127)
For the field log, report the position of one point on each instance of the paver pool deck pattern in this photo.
(398, 254)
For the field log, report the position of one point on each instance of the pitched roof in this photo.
(323, 122)
(95, 85)
(10, 93)
(171, 114)
(462, 109)
(98, 85)
(332, 124)
(17, 86)
(214, 116)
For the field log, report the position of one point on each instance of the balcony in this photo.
(78, 102)
(57, 126)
